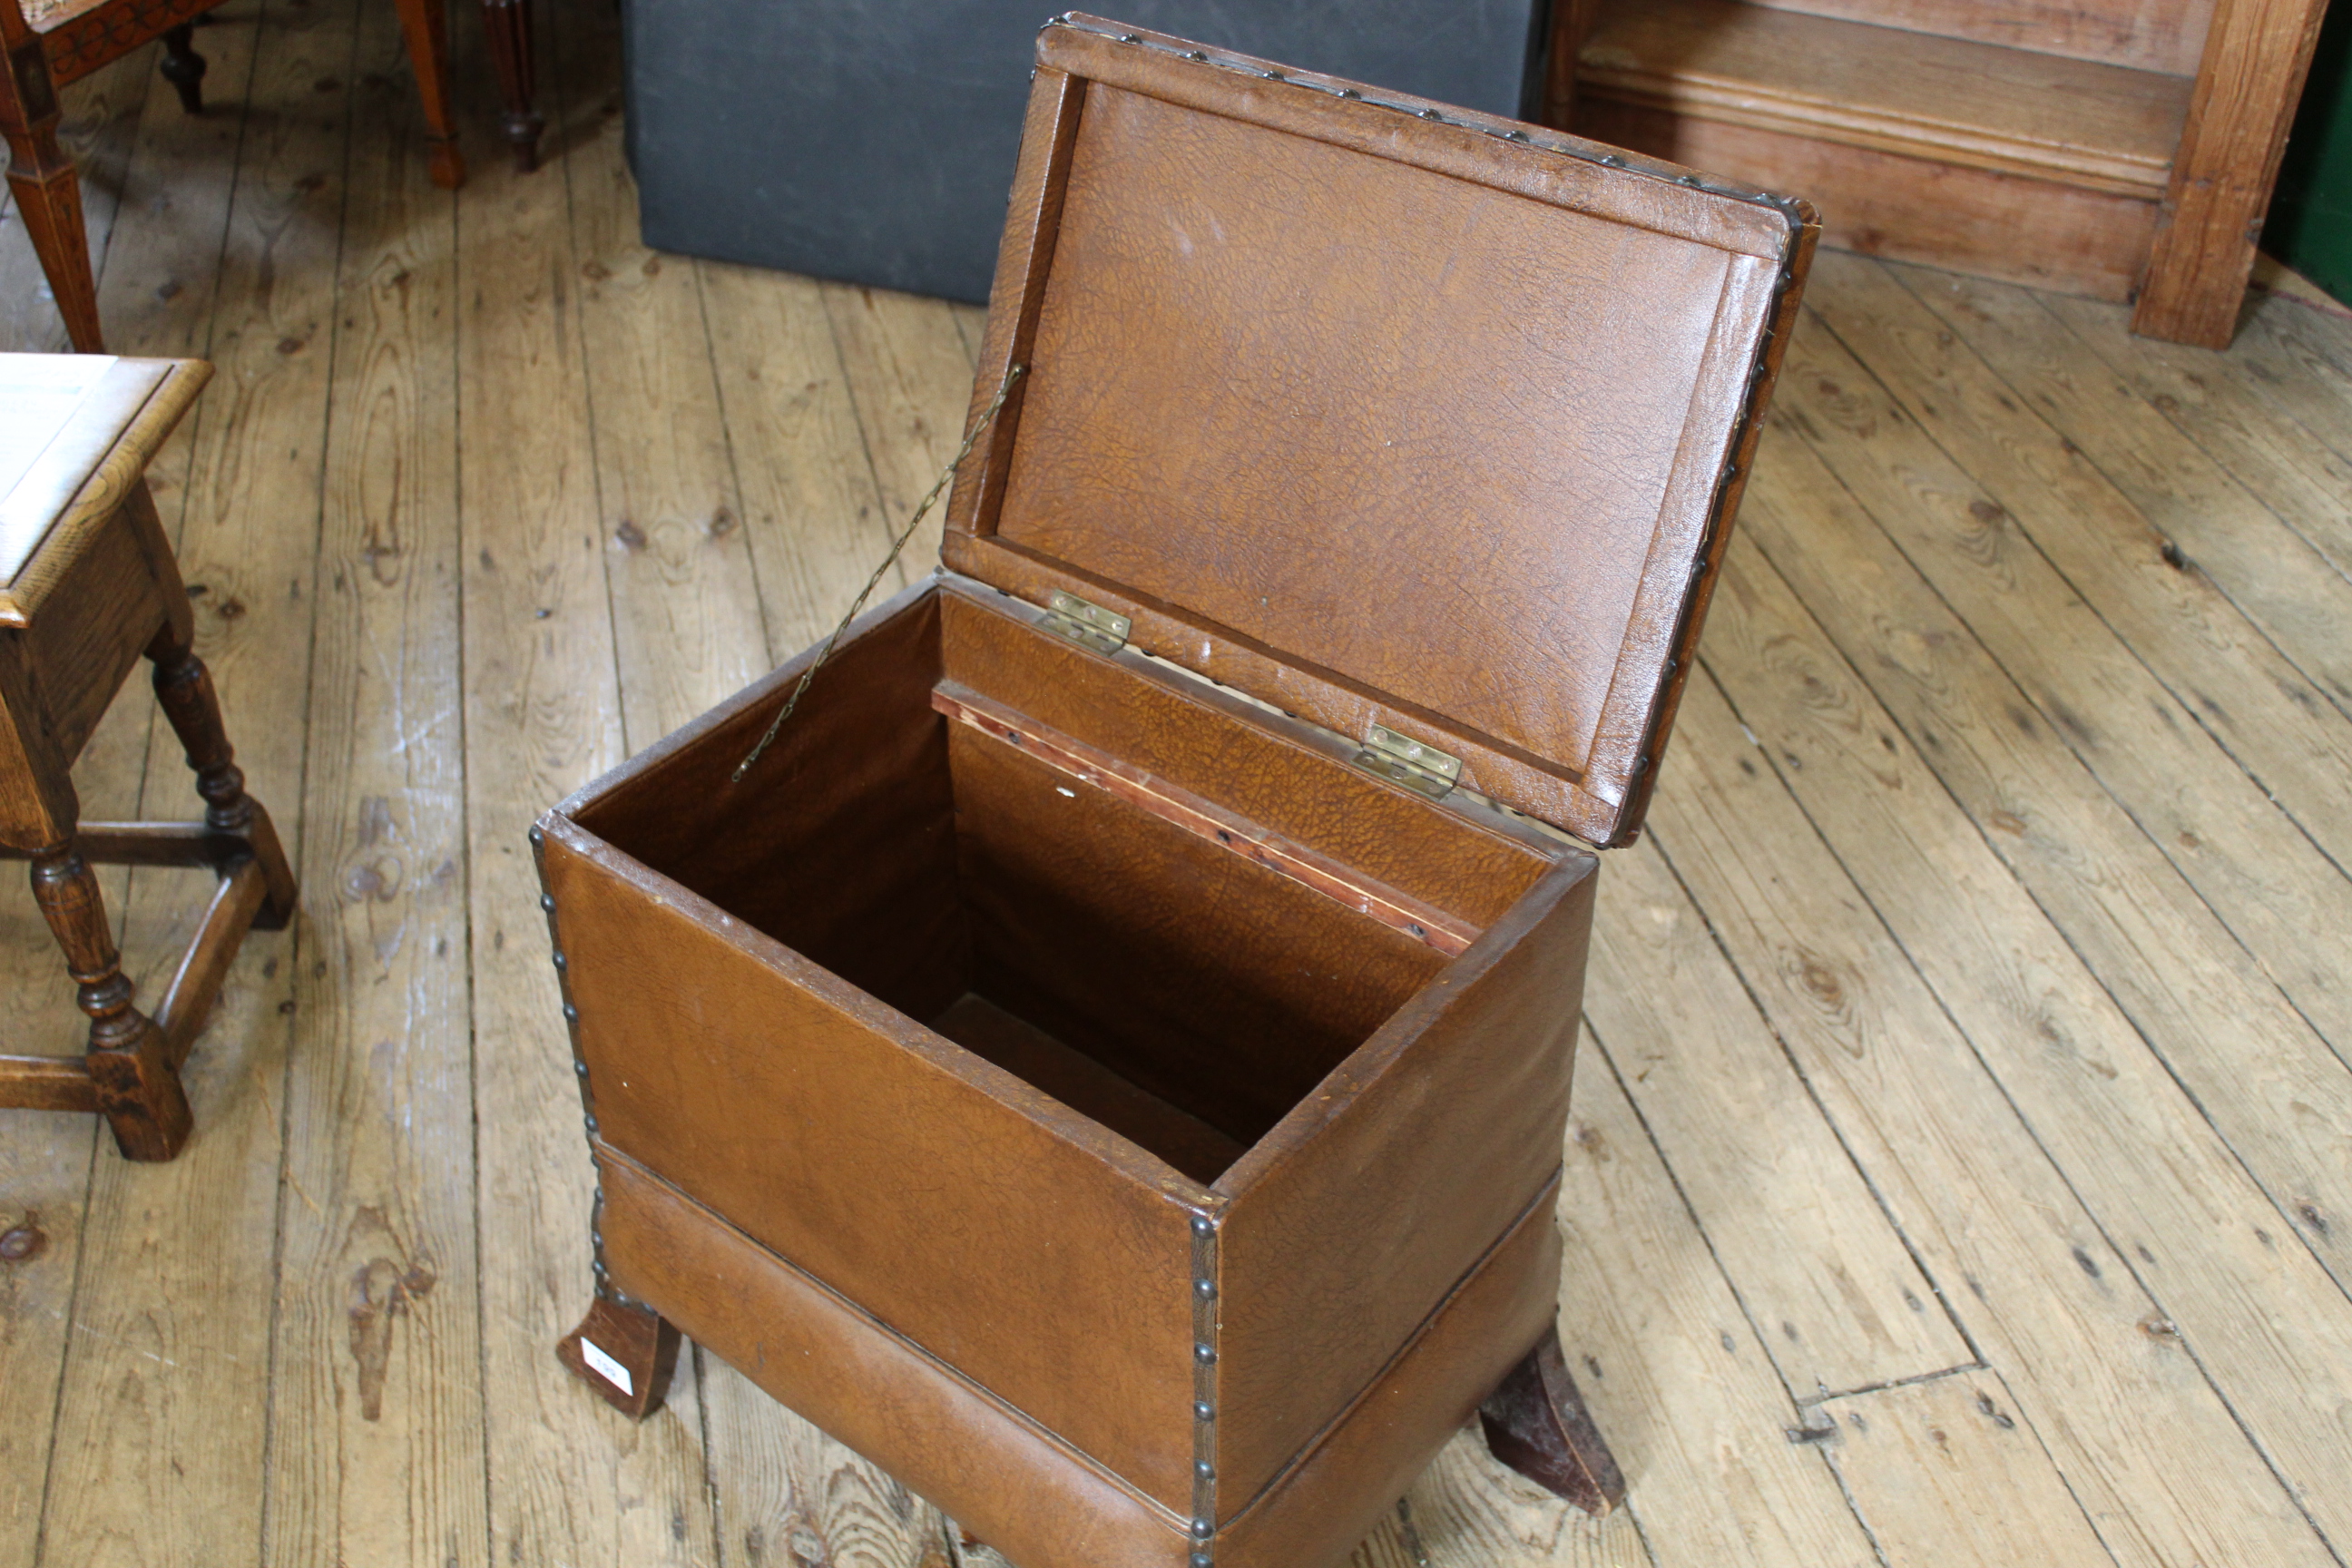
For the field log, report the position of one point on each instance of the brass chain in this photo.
(987, 417)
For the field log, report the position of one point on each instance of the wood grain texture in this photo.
(1946, 1468)
(687, 618)
(2046, 1292)
(376, 1450)
(2196, 995)
(2290, 591)
(811, 515)
(541, 715)
(1881, 601)
(1746, 1143)
(2146, 35)
(160, 1431)
(2027, 231)
(1672, 1367)
(60, 510)
(2240, 415)
(2086, 122)
(788, 1493)
(1468, 1511)
(2307, 357)
(2260, 708)
(1981, 545)
(165, 257)
(101, 127)
(909, 379)
(45, 1161)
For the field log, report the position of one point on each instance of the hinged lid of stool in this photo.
(1416, 423)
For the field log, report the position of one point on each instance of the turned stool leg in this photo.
(138, 1090)
(1536, 1423)
(184, 688)
(625, 1353)
(184, 68)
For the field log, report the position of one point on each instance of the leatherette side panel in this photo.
(1003, 1234)
(1353, 1218)
(1000, 1476)
(1317, 1511)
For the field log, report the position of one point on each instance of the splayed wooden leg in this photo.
(625, 1353)
(1536, 1422)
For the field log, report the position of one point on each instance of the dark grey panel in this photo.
(874, 140)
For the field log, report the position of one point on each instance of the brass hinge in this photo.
(1088, 625)
(1400, 758)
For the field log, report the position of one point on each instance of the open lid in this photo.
(1400, 417)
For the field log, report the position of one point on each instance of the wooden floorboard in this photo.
(377, 1451)
(1961, 1164)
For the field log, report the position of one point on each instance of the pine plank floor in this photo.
(1961, 1169)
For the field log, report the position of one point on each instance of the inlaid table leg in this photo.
(1536, 1423)
(509, 24)
(47, 190)
(184, 688)
(625, 1353)
(138, 1091)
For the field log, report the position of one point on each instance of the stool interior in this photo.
(1179, 993)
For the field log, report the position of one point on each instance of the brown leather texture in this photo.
(1017, 1485)
(1087, 1086)
(1011, 1482)
(985, 1110)
(1006, 1234)
(1317, 1510)
(1140, 1007)
(1004, 1477)
(1371, 410)
(1357, 1214)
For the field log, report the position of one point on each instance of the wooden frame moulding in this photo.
(2169, 224)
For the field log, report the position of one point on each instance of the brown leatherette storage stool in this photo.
(88, 586)
(1109, 1061)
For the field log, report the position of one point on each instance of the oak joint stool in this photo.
(88, 587)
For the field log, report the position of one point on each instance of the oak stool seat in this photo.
(88, 586)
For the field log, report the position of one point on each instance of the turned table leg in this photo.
(509, 24)
(139, 1091)
(184, 689)
(1536, 1423)
(184, 68)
